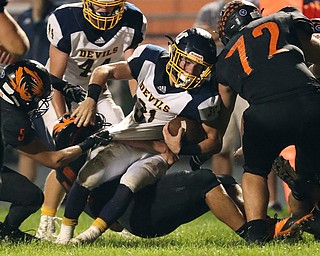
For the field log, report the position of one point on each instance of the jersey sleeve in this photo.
(299, 20)
(17, 131)
(137, 20)
(142, 54)
(55, 36)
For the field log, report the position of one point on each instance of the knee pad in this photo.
(226, 179)
(34, 199)
(206, 176)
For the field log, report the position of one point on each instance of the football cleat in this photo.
(284, 171)
(10, 234)
(313, 227)
(47, 228)
(88, 236)
(125, 233)
(66, 233)
(291, 227)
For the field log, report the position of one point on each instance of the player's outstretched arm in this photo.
(85, 113)
(39, 151)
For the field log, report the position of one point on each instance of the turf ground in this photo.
(203, 236)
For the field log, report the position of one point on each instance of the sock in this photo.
(117, 205)
(257, 231)
(69, 222)
(48, 211)
(100, 223)
(243, 231)
(76, 201)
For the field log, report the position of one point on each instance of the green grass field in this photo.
(204, 236)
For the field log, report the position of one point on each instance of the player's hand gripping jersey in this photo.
(89, 48)
(265, 46)
(157, 102)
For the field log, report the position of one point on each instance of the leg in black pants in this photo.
(176, 199)
(25, 197)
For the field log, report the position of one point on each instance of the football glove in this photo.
(101, 138)
(73, 93)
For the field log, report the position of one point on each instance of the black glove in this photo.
(3, 3)
(72, 92)
(101, 138)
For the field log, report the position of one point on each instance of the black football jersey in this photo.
(16, 126)
(264, 62)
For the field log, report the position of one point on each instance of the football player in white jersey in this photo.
(178, 82)
(84, 36)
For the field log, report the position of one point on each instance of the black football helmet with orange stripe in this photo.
(65, 134)
(235, 16)
(27, 85)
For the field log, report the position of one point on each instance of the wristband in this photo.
(87, 144)
(190, 150)
(57, 83)
(94, 91)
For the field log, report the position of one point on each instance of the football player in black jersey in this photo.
(175, 199)
(25, 88)
(265, 62)
(14, 43)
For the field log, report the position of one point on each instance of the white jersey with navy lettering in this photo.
(88, 47)
(157, 102)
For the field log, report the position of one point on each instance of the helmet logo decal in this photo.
(243, 12)
(3, 73)
(65, 121)
(197, 56)
(22, 80)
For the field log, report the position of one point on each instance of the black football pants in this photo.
(25, 197)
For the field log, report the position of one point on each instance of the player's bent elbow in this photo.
(56, 160)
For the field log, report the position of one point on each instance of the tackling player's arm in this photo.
(53, 159)
(85, 113)
(39, 151)
(154, 146)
